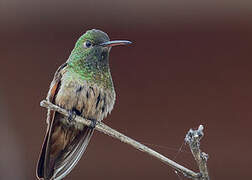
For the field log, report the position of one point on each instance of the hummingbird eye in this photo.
(87, 44)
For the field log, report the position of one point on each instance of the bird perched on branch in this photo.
(83, 86)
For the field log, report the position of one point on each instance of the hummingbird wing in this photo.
(63, 145)
(50, 116)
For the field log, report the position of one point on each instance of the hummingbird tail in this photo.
(62, 149)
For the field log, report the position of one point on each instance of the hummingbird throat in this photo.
(91, 65)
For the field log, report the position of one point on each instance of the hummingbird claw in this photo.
(71, 116)
(93, 123)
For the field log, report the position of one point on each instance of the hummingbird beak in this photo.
(115, 43)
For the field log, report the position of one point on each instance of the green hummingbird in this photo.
(83, 86)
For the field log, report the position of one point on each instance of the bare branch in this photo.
(115, 134)
(193, 138)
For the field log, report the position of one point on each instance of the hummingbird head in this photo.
(90, 56)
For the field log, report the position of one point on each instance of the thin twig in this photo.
(193, 138)
(115, 134)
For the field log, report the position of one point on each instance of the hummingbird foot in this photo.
(93, 123)
(71, 116)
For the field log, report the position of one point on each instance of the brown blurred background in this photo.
(190, 64)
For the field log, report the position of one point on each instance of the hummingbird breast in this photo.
(87, 99)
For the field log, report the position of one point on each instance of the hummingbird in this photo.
(83, 86)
